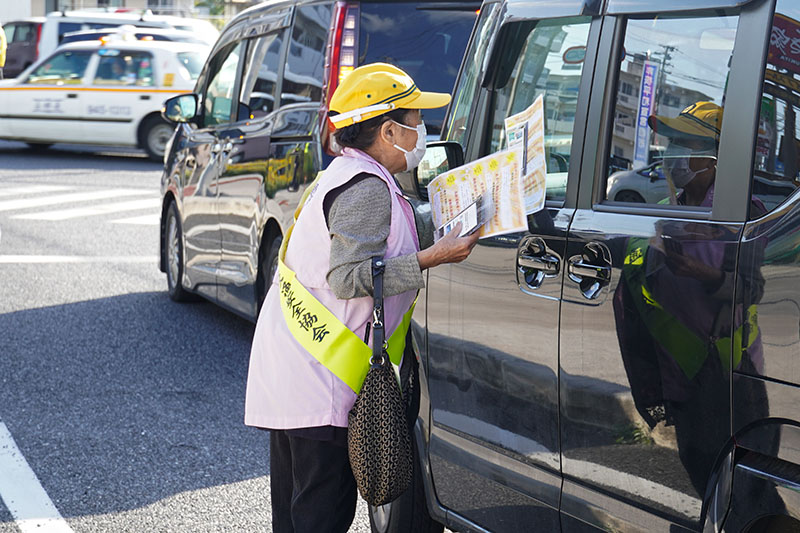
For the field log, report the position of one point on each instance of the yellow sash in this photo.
(321, 333)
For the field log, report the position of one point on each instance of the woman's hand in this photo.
(449, 249)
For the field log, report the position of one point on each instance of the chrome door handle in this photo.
(228, 147)
(547, 264)
(578, 270)
(591, 270)
(216, 148)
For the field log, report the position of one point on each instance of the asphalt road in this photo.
(127, 407)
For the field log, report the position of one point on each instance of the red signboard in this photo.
(784, 43)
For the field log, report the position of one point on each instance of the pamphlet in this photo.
(526, 129)
(493, 184)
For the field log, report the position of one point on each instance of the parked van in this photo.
(250, 138)
(23, 44)
(621, 365)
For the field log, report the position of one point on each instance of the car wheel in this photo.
(173, 248)
(155, 136)
(629, 196)
(409, 512)
(39, 146)
(267, 268)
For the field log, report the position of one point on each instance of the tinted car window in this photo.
(544, 66)
(777, 154)
(427, 44)
(672, 78)
(302, 78)
(261, 73)
(63, 68)
(19, 33)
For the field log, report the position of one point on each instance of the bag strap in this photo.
(378, 334)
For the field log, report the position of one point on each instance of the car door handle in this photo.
(72, 95)
(579, 270)
(228, 147)
(591, 269)
(216, 148)
(547, 264)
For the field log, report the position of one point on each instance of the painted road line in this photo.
(43, 259)
(145, 220)
(27, 203)
(22, 493)
(101, 209)
(31, 189)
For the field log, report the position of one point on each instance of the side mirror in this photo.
(440, 156)
(181, 108)
(653, 176)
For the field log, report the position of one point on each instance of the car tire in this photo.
(408, 513)
(629, 196)
(266, 268)
(155, 134)
(173, 250)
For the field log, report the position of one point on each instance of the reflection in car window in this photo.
(261, 74)
(65, 68)
(219, 98)
(192, 64)
(777, 152)
(549, 62)
(465, 92)
(427, 44)
(669, 109)
(302, 78)
(124, 68)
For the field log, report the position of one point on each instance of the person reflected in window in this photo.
(677, 331)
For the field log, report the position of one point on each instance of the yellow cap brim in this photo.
(427, 101)
(680, 127)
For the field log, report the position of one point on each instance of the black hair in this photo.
(362, 135)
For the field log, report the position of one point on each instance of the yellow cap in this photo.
(701, 119)
(375, 89)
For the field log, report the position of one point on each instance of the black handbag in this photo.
(378, 433)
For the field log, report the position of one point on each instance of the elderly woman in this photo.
(308, 356)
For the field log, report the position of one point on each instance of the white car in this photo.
(106, 92)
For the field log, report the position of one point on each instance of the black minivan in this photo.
(254, 133)
(621, 365)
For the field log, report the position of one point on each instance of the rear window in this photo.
(426, 43)
(19, 33)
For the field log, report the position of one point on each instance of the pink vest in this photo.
(286, 386)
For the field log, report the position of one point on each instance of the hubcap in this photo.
(158, 137)
(173, 249)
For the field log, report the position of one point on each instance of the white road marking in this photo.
(9, 205)
(31, 189)
(22, 493)
(145, 220)
(101, 209)
(41, 259)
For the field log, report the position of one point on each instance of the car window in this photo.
(191, 64)
(464, 94)
(19, 33)
(10, 30)
(427, 44)
(261, 73)
(64, 68)
(549, 62)
(777, 153)
(67, 27)
(219, 97)
(668, 108)
(305, 60)
(118, 67)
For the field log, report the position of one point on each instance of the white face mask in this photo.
(676, 164)
(414, 156)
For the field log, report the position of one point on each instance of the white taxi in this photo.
(106, 92)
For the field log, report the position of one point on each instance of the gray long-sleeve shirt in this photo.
(359, 216)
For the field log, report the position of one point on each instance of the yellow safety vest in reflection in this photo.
(320, 332)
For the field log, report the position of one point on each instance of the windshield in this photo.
(192, 63)
(427, 44)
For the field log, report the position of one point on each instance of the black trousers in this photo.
(312, 485)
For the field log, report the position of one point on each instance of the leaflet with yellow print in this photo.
(526, 129)
(485, 194)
